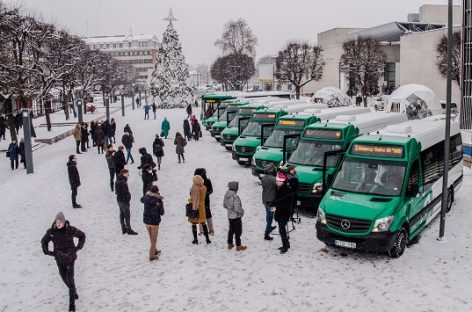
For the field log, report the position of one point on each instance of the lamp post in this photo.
(122, 103)
(107, 106)
(79, 110)
(27, 134)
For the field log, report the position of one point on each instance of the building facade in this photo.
(140, 51)
(466, 96)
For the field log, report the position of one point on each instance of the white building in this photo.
(138, 50)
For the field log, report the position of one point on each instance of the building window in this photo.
(389, 75)
(129, 44)
(101, 46)
(121, 45)
(107, 46)
(114, 45)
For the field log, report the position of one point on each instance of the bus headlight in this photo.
(258, 148)
(253, 161)
(321, 216)
(383, 224)
(233, 148)
(317, 188)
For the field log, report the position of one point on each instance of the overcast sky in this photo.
(200, 22)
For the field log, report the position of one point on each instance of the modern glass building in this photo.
(466, 88)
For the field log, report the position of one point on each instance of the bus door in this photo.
(416, 199)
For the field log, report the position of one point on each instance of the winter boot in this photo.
(241, 248)
(267, 237)
(72, 306)
(131, 232)
(123, 229)
(194, 232)
(205, 232)
(230, 246)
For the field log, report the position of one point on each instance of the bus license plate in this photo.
(345, 244)
(299, 203)
(243, 159)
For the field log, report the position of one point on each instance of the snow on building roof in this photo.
(119, 38)
(392, 31)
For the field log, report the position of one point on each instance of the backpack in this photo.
(184, 142)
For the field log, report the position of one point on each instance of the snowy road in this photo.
(114, 274)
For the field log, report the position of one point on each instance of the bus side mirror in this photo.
(412, 190)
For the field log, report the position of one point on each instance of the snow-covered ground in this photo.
(113, 272)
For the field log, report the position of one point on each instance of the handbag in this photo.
(8, 154)
(189, 212)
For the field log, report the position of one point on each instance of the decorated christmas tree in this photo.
(170, 82)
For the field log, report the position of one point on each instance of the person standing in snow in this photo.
(165, 127)
(154, 108)
(100, 138)
(110, 158)
(138, 101)
(112, 131)
(127, 128)
(62, 235)
(196, 130)
(13, 153)
(197, 199)
(189, 110)
(93, 127)
(158, 150)
(233, 204)
(84, 137)
(148, 175)
(146, 159)
(123, 197)
(180, 143)
(281, 208)
(187, 131)
(77, 133)
(268, 196)
(153, 210)
(209, 189)
(293, 182)
(146, 111)
(127, 141)
(22, 151)
(120, 160)
(74, 179)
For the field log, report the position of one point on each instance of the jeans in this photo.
(112, 177)
(146, 115)
(283, 234)
(14, 163)
(129, 156)
(125, 215)
(159, 160)
(181, 155)
(74, 195)
(153, 230)
(77, 144)
(235, 229)
(110, 140)
(82, 146)
(67, 274)
(269, 218)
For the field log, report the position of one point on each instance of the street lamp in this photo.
(79, 109)
(122, 103)
(27, 134)
(107, 106)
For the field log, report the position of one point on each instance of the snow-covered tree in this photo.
(170, 82)
(441, 50)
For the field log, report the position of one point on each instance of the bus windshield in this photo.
(254, 129)
(234, 122)
(370, 176)
(310, 153)
(276, 139)
(224, 115)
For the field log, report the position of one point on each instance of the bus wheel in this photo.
(449, 200)
(399, 245)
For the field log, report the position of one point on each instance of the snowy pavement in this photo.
(114, 274)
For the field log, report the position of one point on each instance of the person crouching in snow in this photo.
(153, 210)
(232, 202)
(62, 234)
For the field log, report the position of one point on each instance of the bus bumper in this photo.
(256, 171)
(241, 159)
(374, 242)
(310, 203)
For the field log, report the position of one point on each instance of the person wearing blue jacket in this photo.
(153, 210)
(13, 153)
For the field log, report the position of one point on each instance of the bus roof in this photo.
(216, 96)
(370, 121)
(329, 113)
(427, 131)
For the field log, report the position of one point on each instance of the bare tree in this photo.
(299, 63)
(237, 38)
(363, 62)
(441, 50)
(233, 70)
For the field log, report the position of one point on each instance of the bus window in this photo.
(413, 181)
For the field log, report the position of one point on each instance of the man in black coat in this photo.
(120, 160)
(282, 208)
(74, 179)
(123, 197)
(146, 159)
(84, 137)
(62, 234)
(127, 141)
(110, 158)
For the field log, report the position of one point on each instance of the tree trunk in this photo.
(47, 108)
(364, 98)
(11, 121)
(297, 92)
(64, 101)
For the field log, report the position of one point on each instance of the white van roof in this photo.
(331, 113)
(427, 131)
(297, 108)
(373, 121)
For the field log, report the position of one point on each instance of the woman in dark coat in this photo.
(180, 143)
(21, 150)
(282, 207)
(153, 210)
(84, 137)
(148, 175)
(13, 153)
(158, 150)
(196, 130)
(120, 159)
(209, 189)
(100, 138)
(187, 131)
(93, 127)
(127, 128)
(112, 131)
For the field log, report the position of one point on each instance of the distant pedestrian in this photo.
(22, 152)
(146, 111)
(165, 127)
(123, 197)
(3, 127)
(100, 138)
(196, 103)
(64, 251)
(93, 127)
(146, 158)
(77, 133)
(180, 143)
(110, 158)
(112, 131)
(187, 131)
(209, 190)
(138, 101)
(120, 160)
(268, 196)
(197, 130)
(149, 176)
(233, 204)
(83, 137)
(189, 110)
(197, 199)
(153, 211)
(87, 136)
(128, 141)
(281, 208)
(154, 108)
(74, 179)
(106, 131)
(13, 153)
(158, 150)
(18, 122)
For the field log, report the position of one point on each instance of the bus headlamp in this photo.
(317, 188)
(321, 216)
(253, 161)
(258, 148)
(233, 148)
(383, 224)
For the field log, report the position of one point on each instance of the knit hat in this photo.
(60, 216)
(280, 177)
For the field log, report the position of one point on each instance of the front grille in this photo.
(355, 225)
(217, 130)
(229, 137)
(305, 187)
(245, 149)
(264, 163)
